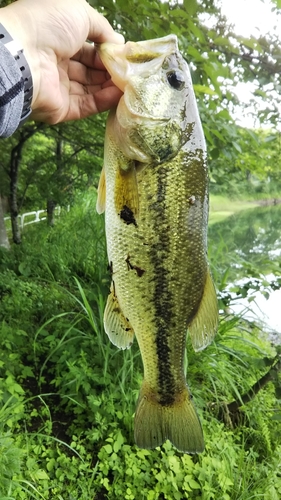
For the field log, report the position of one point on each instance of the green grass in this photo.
(68, 396)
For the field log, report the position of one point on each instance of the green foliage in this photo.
(10, 462)
(68, 395)
(63, 160)
(250, 168)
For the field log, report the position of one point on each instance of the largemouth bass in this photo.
(154, 190)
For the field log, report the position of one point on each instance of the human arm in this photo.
(11, 93)
(69, 80)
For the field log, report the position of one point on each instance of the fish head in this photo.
(155, 116)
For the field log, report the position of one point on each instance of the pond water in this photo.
(245, 256)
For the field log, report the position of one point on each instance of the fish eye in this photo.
(175, 79)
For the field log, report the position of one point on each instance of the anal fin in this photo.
(116, 325)
(203, 327)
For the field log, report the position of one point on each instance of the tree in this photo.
(252, 167)
(4, 241)
(47, 171)
(63, 159)
(23, 135)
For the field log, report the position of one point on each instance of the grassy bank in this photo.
(221, 206)
(68, 395)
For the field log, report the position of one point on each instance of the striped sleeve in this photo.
(11, 93)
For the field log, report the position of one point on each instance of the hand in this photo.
(69, 79)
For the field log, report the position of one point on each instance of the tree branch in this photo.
(230, 413)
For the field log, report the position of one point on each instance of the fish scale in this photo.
(156, 216)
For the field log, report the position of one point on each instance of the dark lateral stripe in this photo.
(162, 297)
(11, 93)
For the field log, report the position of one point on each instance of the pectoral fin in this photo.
(100, 206)
(116, 325)
(126, 189)
(204, 325)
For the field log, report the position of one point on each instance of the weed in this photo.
(68, 395)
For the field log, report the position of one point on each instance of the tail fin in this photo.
(154, 423)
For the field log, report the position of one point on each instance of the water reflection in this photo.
(262, 310)
(247, 245)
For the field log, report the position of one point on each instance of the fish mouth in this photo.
(144, 58)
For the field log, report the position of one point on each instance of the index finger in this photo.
(89, 57)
